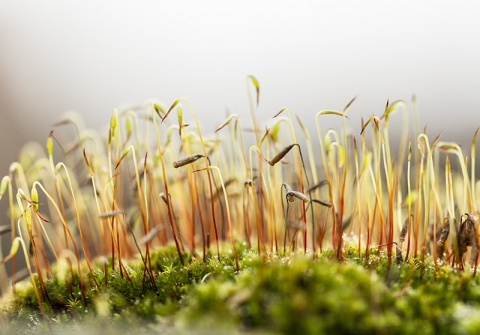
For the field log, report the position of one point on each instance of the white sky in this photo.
(92, 56)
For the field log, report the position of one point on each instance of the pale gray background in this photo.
(92, 56)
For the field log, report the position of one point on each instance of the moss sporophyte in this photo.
(161, 227)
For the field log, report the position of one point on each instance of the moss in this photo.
(292, 293)
(305, 297)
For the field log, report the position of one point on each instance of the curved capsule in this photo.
(289, 190)
(403, 232)
(187, 160)
(295, 194)
(398, 255)
(445, 232)
(281, 154)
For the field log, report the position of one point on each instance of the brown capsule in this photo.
(444, 233)
(290, 197)
(470, 225)
(187, 160)
(289, 191)
(31, 246)
(398, 256)
(281, 154)
(403, 232)
(466, 234)
(295, 194)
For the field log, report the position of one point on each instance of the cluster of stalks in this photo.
(157, 180)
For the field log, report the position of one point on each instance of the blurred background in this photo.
(93, 56)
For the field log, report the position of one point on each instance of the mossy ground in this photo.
(270, 294)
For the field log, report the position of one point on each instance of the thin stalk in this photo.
(336, 219)
(207, 163)
(472, 187)
(82, 289)
(32, 279)
(357, 208)
(313, 169)
(6, 184)
(49, 147)
(77, 215)
(467, 191)
(97, 202)
(255, 200)
(300, 175)
(143, 205)
(409, 204)
(230, 227)
(165, 184)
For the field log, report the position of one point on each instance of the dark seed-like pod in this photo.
(187, 160)
(403, 232)
(398, 256)
(289, 197)
(31, 246)
(281, 154)
(469, 225)
(296, 194)
(444, 233)
(466, 234)
(289, 190)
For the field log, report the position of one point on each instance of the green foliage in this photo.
(280, 294)
(325, 297)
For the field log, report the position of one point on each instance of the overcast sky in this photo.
(92, 56)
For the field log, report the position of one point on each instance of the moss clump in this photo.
(304, 296)
(123, 300)
(272, 293)
(325, 297)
